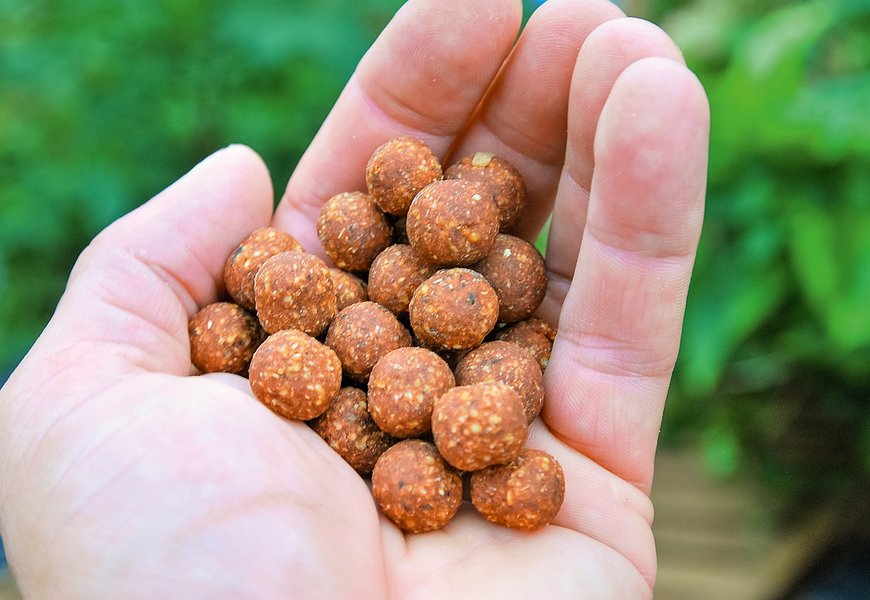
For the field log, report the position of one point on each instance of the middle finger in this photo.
(423, 77)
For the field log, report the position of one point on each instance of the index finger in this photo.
(423, 77)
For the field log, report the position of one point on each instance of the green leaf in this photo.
(813, 245)
(830, 254)
(726, 305)
(831, 119)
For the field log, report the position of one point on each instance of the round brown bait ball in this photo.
(294, 291)
(361, 334)
(517, 273)
(501, 179)
(398, 170)
(415, 488)
(353, 230)
(534, 336)
(453, 310)
(525, 494)
(537, 325)
(223, 338)
(452, 223)
(295, 375)
(349, 289)
(479, 425)
(403, 387)
(510, 364)
(395, 274)
(242, 265)
(349, 430)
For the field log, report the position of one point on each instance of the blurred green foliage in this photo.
(774, 368)
(105, 103)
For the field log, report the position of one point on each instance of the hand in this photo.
(121, 476)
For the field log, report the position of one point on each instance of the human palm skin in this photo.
(122, 476)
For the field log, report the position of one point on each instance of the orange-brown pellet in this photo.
(453, 310)
(395, 274)
(349, 430)
(399, 169)
(403, 387)
(349, 289)
(353, 230)
(361, 334)
(517, 273)
(295, 375)
(525, 494)
(502, 180)
(294, 291)
(452, 223)
(415, 488)
(223, 338)
(534, 336)
(475, 426)
(244, 262)
(510, 364)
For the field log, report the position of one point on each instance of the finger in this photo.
(600, 505)
(524, 116)
(423, 77)
(607, 52)
(620, 326)
(133, 289)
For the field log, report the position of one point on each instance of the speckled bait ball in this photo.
(524, 494)
(517, 273)
(403, 388)
(479, 425)
(452, 223)
(361, 334)
(295, 375)
(414, 487)
(395, 274)
(294, 291)
(242, 265)
(349, 289)
(353, 230)
(453, 310)
(398, 170)
(533, 335)
(502, 180)
(537, 325)
(349, 430)
(510, 364)
(223, 338)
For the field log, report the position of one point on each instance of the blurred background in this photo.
(762, 484)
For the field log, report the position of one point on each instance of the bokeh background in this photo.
(103, 104)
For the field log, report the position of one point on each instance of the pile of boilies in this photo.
(431, 365)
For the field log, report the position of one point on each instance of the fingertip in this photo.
(664, 81)
(614, 47)
(246, 171)
(654, 128)
(632, 36)
(556, 11)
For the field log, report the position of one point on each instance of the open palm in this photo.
(124, 477)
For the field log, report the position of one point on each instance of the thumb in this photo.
(127, 303)
(134, 287)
